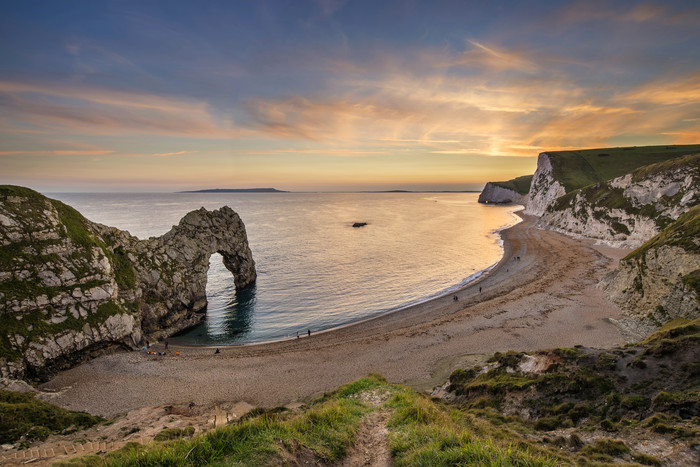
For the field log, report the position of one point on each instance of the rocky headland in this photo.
(71, 288)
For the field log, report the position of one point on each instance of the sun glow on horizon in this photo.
(134, 96)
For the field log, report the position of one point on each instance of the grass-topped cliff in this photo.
(510, 191)
(520, 185)
(580, 168)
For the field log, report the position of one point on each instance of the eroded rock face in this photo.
(652, 289)
(71, 288)
(627, 211)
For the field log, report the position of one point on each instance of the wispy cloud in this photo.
(492, 56)
(59, 152)
(57, 108)
(168, 154)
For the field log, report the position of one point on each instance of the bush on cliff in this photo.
(22, 415)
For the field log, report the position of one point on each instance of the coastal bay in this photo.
(547, 298)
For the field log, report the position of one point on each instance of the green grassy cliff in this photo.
(580, 168)
(520, 185)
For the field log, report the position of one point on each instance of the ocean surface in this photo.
(315, 270)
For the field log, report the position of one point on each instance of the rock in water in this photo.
(71, 288)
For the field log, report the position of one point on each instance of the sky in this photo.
(333, 95)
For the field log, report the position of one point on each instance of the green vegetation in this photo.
(657, 380)
(577, 169)
(520, 185)
(583, 393)
(421, 432)
(425, 433)
(174, 433)
(23, 416)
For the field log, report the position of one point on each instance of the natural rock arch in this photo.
(71, 288)
(174, 292)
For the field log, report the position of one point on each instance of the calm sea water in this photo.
(315, 271)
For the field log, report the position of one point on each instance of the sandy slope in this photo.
(547, 299)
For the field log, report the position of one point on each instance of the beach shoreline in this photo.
(450, 291)
(546, 298)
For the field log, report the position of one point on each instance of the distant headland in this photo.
(236, 190)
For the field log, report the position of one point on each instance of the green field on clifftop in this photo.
(576, 169)
(520, 185)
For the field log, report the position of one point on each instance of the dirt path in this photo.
(546, 299)
(371, 444)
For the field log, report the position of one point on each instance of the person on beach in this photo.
(297, 334)
(166, 345)
(217, 351)
(309, 332)
(479, 289)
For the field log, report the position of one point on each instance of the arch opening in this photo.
(229, 311)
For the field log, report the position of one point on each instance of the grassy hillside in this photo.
(584, 407)
(22, 416)
(520, 185)
(576, 169)
(420, 432)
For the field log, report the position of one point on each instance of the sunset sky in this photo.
(331, 94)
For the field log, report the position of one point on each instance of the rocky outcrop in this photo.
(659, 281)
(545, 188)
(495, 194)
(70, 288)
(628, 210)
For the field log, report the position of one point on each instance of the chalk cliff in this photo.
(71, 288)
(545, 187)
(511, 192)
(628, 210)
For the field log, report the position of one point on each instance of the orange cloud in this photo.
(667, 92)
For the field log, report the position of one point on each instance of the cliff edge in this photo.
(71, 288)
(510, 192)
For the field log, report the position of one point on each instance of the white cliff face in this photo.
(494, 194)
(71, 288)
(544, 189)
(627, 211)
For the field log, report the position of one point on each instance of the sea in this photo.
(315, 270)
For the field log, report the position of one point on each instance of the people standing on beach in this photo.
(479, 289)
(217, 351)
(297, 334)
(309, 332)
(166, 345)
